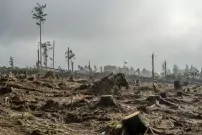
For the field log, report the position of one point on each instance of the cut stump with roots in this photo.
(134, 124)
(177, 85)
(107, 101)
(5, 90)
(49, 74)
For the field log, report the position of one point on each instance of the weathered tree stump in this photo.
(71, 79)
(152, 100)
(177, 85)
(32, 78)
(186, 83)
(36, 132)
(134, 124)
(57, 76)
(50, 105)
(107, 101)
(155, 87)
(49, 74)
(137, 82)
(163, 95)
(5, 90)
(38, 76)
(179, 93)
(83, 87)
(25, 73)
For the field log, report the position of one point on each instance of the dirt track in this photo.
(45, 107)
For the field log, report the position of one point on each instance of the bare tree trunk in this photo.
(165, 69)
(68, 58)
(72, 66)
(53, 54)
(153, 67)
(38, 57)
(40, 45)
(89, 67)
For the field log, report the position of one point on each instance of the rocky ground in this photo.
(47, 106)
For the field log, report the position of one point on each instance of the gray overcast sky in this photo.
(105, 31)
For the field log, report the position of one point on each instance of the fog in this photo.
(105, 32)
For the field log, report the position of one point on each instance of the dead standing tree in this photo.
(39, 16)
(46, 47)
(69, 55)
(11, 62)
(164, 66)
(153, 68)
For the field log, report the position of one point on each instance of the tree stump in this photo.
(25, 74)
(83, 87)
(134, 124)
(186, 83)
(163, 95)
(32, 78)
(155, 87)
(5, 90)
(49, 74)
(177, 85)
(179, 93)
(107, 101)
(38, 76)
(152, 99)
(71, 79)
(137, 82)
(36, 132)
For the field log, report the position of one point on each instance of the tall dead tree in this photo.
(53, 54)
(164, 66)
(72, 63)
(69, 56)
(101, 69)
(38, 63)
(89, 66)
(11, 62)
(46, 47)
(153, 67)
(39, 16)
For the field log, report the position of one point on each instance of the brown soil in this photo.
(55, 107)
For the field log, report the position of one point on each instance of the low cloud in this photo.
(106, 32)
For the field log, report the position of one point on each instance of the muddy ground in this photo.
(54, 107)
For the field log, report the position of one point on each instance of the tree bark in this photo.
(68, 58)
(40, 45)
(133, 124)
(107, 101)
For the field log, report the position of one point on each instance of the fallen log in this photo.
(153, 99)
